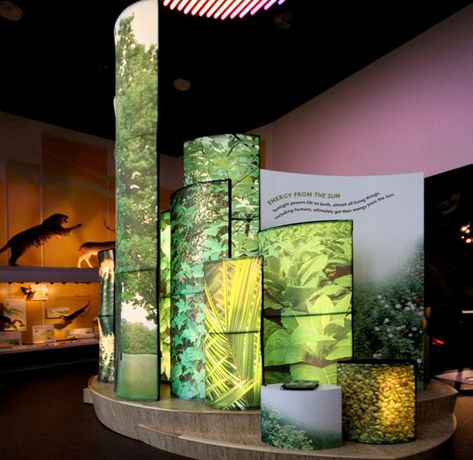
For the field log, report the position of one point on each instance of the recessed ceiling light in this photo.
(220, 9)
(10, 11)
(181, 84)
(284, 20)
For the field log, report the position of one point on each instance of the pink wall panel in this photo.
(410, 111)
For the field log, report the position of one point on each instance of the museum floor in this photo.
(42, 416)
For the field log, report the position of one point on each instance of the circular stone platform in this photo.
(192, 429)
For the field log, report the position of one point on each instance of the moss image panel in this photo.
(233, 343)
(379, 401)
(307, 300)
(235, 157)
(200, 223)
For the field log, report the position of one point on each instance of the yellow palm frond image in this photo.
(233, 322)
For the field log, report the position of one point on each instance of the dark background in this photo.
(58, 61)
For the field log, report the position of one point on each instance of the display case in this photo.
(50, 311)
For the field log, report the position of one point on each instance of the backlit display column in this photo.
(136, 44)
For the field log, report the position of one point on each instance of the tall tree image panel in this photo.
(200, 233)
(235, 157)
(137, 200)
(307, 300)
(232, 344)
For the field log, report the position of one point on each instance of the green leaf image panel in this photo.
(136, 172)
(165, 254)
(199, 233)
(232, 346)
(307, 300)
(235, 157)
(245, 237)
(165, 337)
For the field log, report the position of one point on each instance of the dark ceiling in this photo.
(58, 61)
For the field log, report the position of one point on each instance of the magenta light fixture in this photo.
(220, 9)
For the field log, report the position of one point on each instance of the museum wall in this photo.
(409, 111)
(45, 169)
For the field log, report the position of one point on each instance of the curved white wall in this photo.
(410, 111)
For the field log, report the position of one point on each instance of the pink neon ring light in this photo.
(220, 9)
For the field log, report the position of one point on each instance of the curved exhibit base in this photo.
(192, 429)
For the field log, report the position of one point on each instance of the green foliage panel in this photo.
(245, 237)
(200, 222)
(232, 345)
(388, 320)
(165, 337)
(165, 293)
(307, 301)
(136, 208)
(136, 298)
(306, 347)
(235, 157)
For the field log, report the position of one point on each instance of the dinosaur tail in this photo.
(4, 248)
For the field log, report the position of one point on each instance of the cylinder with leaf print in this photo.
(235, 157)
(307, 300)
(165, 295)
(200, 233)
(232, 344)
(136, 113)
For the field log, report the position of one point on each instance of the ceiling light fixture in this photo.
(182, 84)
(10, 11)
(221, 9)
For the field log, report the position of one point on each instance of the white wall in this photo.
(410, 111)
